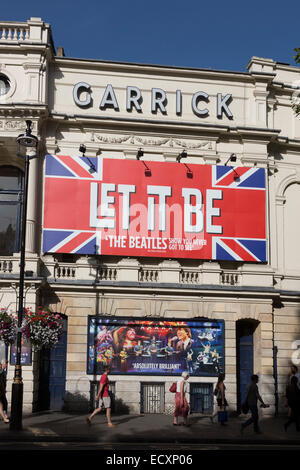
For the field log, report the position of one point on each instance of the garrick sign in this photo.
(159, 101)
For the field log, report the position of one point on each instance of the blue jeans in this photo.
(253, 419)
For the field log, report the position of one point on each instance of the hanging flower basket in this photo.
(8, 327)
(42, 328)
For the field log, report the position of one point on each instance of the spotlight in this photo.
(139, 154)
(183, 154)
(189, 173)
(232, 158)
(82, 149)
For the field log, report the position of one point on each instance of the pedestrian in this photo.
(181, 404)
(3, 400)
(293, 373)
(251, 398)
(293, 399)
(219, 393)
(104, 398)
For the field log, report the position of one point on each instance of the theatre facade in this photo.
(162, 224)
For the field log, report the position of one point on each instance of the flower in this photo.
(8, 327)
(43, 328)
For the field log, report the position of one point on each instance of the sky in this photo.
(212, 34)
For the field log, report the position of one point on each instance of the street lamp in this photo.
(29, 143)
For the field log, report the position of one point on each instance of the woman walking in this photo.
(219, 392)
(181, 404)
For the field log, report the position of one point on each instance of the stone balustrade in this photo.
(133, 270)
(148, 275)
(188, 276)
(106, 273)
(9, 265)
(64, 271)
(32, 31)
(229, 278)
(14, 32)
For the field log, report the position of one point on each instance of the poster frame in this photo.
(154, 319)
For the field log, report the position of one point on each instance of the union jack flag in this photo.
(237, 248)
(238, 177)
(72, 168)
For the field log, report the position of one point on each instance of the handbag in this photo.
(173, 387)
(222, 416)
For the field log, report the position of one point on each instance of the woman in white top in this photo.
(181, 404)
(219, 393)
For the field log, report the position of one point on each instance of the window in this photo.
(4, 85)
(10, 209)
(291, 230)
(201, 398)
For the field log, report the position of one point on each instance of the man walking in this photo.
(104, 398)
(252, 397)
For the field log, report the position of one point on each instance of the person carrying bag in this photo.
(219, 393)
(222, 403)
(251, 402)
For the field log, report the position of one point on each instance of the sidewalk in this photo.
(138, 429)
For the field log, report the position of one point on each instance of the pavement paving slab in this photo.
(150, 428)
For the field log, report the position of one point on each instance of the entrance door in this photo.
(52, 383)
(152, 398)
(246, 364)
(245, 357)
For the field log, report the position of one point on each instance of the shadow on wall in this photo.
(79, 402)
(76, 402)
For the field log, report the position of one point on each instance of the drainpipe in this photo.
(275, 350)
(275, 374)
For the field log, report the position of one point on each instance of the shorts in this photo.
(105, 401)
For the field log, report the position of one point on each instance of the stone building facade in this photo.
(114, 110)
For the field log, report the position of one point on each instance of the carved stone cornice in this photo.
(13, 124)
(149, 141)
(21, 111)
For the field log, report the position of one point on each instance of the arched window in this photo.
(291, 229)
(10, 209)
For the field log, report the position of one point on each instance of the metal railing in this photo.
(152, 398)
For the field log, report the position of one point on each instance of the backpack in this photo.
(173, 387)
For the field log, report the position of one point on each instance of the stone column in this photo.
(230, 363)
(31, 221)
(280, 201)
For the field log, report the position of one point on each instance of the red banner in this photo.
(160, 209)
